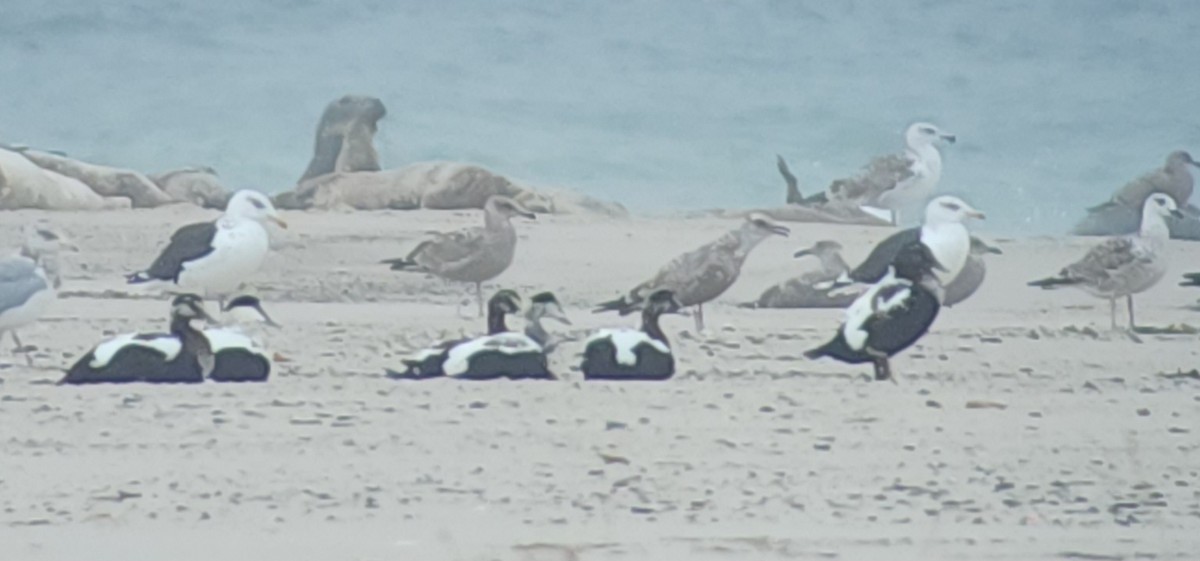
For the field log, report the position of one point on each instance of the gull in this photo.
(944, 233)
(895, 181)
(704, 273)
(1174, 179)
(29, 283)
(1126, 265)
(471, 255)
(215, 258)
(973, 272)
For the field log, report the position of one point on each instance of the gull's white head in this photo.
(255, 206)
(1160, 204)
(920, 135)
(947, 209)
(1180, 159)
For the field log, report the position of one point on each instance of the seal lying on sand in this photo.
(104, 180)
(25, 185)
(346, 136)
(198, 185)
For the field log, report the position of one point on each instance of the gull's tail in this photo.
(620, 305)
(138, 278)
(793, 186)
(1054, 282)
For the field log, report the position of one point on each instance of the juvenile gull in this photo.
(944, 233)
(890, 316)
(1126, 265)
(702, 274)
(627, 354)
(471, 255)
(181, 356)
(972, 274)
(895, 181)
(803, 291)
(215, 258)
(29, 283)
(1174, 179)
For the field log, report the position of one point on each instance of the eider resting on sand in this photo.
(237, 357)
(627, 354)
(499, 354)
(473, 255)
(181, 356)
(215, 258)
(704, 273)
(943, 232)
(1123, 266)
(29, 283)
(973, 272)
(891, 315)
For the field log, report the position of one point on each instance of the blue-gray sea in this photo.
(658, 104)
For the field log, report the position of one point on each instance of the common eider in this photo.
(627, 354)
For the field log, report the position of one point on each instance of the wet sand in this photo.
(1020, 428)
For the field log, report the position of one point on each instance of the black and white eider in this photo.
(214, 258)
(238, 358)
(429, 362)
(891, 315)
(181, 356)
(628, 354)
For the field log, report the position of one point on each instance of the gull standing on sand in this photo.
(29, 283)
(702, 274)
(1174, 179)
(1126, 265)
(943, 232)
(895, 181)
(973, 272)
(215, 258)
(471, 255)
(802, 291)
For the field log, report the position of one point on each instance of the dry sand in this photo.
(1082, 449)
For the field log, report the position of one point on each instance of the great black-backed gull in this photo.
(215, 258)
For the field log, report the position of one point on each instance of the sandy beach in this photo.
(1020, 427)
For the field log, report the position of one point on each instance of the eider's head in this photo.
(925, 134)
(248, 310)
(821, 249)
(255, 206)
(505, 302)
(663, 302)
(189, 307)
(915, 261)
(545, 305)
(506, 207)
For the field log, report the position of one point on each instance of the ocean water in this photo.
(658, 104)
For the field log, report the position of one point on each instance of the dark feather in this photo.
(875, 266)
(189, 243)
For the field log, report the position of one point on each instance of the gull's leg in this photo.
(479, 296)
(699, 318)
(1112, 305)
(21, 348)
(1129, 301)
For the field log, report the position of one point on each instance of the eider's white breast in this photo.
(459, 357)
(168, 345)
(225, 338)
(626, 341)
